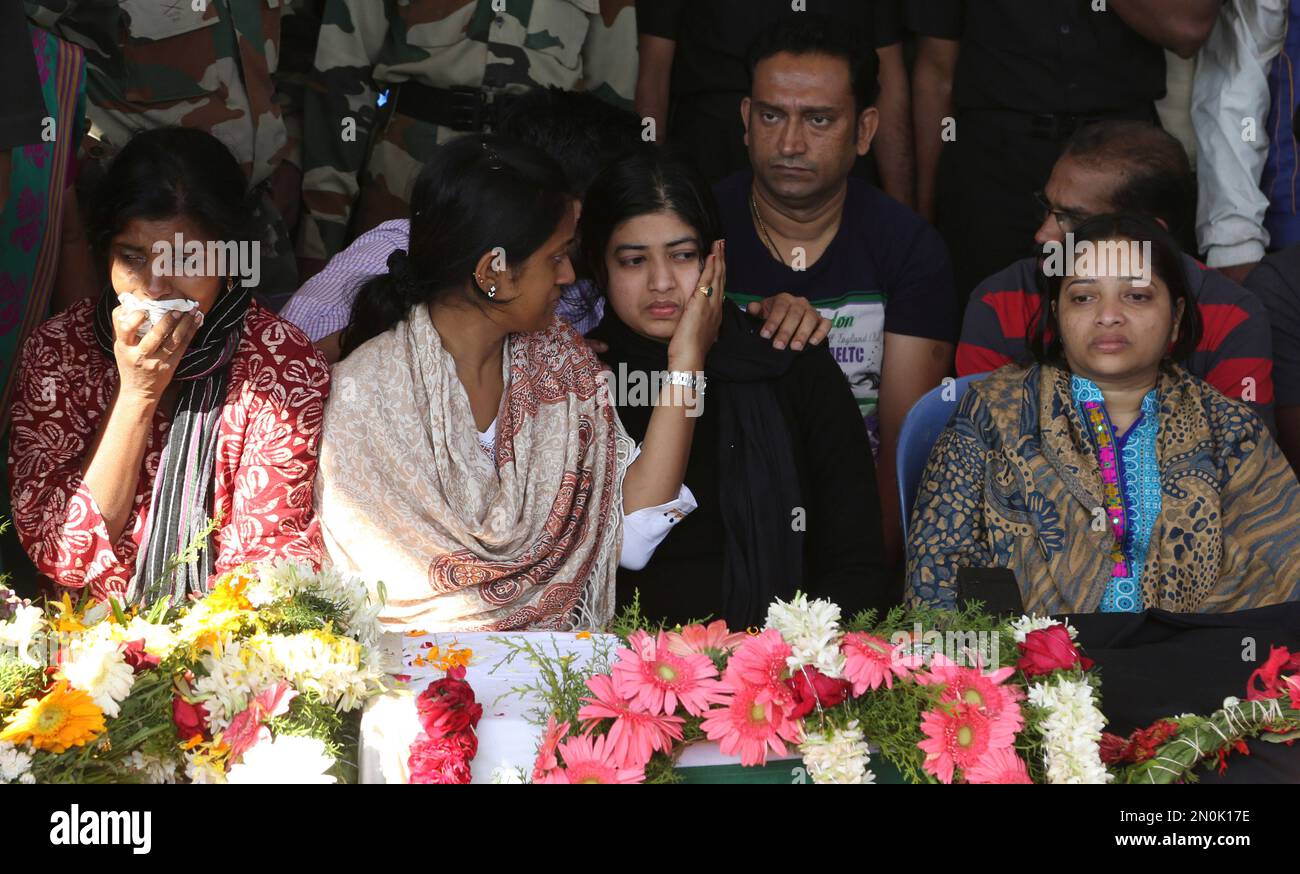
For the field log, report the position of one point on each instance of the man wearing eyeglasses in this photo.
(1129, 167)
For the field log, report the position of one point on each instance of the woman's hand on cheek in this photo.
(697, 330)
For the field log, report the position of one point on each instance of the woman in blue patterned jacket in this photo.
(1106, 476)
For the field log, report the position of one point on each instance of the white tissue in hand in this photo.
(154, 310)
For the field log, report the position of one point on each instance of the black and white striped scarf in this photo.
(183, 487)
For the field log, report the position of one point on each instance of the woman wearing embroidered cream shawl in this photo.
(469, 463)
(1106, 476)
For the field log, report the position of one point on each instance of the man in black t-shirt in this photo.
(798, 222)
(1030, 73)
(694, 72)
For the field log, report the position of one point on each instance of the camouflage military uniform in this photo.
(207, 64)
(367, 46)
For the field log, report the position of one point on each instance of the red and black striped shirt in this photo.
(1235, 354)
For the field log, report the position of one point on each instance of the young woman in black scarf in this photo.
(780, 467)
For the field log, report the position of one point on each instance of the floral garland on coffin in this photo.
(261, 681)
(1171, 749)
(449, 715)
(1012, 702)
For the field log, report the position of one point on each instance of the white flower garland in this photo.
(280, 578)
(1022, 627)
(1071, 731)
(812, 628)
(837, 755)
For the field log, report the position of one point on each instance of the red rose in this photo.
(137, 658)
(190, 719)
(443, 760)
(448, 706)
(1050, 649)
(810, 686)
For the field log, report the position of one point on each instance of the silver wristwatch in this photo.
(687, 379)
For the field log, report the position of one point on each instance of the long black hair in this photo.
(476, 194)
(644, 182)
(1166, 263)
(166, 173)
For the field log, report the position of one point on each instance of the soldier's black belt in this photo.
(468, 110)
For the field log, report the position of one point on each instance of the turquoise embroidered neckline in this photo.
(1130, 475)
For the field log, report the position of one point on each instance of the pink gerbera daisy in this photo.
(974, 687)
(654, 679)
(590, 759)
(748, 726)
(546, 761)
(871, 661)
(999, 766)
(247, 729)
(957, 735)
(760, 662)
(635, 735)
(715, 637)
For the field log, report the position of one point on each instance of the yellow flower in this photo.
(207, 760)
(229, 594)
(68, 622)
(64, 718)
(211, 620)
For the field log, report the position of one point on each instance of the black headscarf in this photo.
(762, 550)
(183, 488)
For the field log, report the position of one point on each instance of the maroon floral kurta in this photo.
(266, 452)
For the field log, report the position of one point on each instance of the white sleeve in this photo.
(1230, 107)
(645, 529)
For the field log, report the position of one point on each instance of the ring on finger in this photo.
(706, 290)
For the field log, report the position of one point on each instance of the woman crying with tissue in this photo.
(174, 417)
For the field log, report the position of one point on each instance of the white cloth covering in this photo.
(154, 310)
